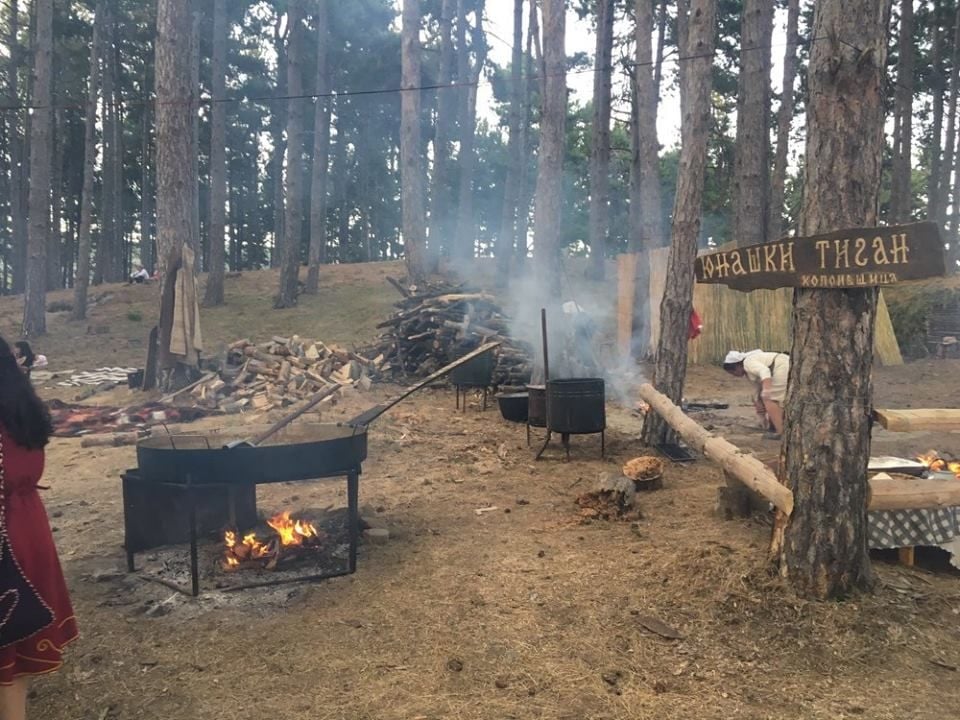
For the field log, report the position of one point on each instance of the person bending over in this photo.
(768, 371)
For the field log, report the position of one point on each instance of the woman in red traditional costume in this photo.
(25, 430)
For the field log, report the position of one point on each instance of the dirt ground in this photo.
(522, 612)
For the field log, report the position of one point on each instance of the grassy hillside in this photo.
(352, 300)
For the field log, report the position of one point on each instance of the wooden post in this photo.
(626, 298)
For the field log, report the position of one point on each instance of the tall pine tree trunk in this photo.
(441, 231)
(784, 120)
(107, 244)
(548, 211)
(195, 240)
(15, 137)
(321, 154)
(466, 225)
(946, 189)
(936, 131)
(293, 223)
(751, 179)
(901, 199)
(146, 188)
(646, 222)
(82, 281)
(213, 295)
(526, 188)
(118, 268)
(41, 120)
(278, 120)
(600, 148)
(698, 31)
(826, 444)
(411, 154)
(507, 237)
(55, 239)
(174, 164)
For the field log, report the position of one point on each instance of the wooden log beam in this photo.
(746, 468)
(887, 493)
(920, 420)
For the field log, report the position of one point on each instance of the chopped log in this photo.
(114, 440)
(169, 398)
(400, 288)
(746, 468)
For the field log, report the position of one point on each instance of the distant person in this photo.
(768, 371)
(140, 276)
(24, 356)
(24, 432)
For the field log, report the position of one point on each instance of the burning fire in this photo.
(934, 462)
(289, 533)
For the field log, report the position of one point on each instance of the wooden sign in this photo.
(856, 258)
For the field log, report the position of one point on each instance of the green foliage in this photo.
(135, 316)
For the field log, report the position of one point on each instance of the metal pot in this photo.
(576, 406)
(477, 373)
(513, 406)
(537, 405)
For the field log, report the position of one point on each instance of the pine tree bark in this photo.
(293, 222)
(600, 147)
(507, 237)
(82, 281)
(278, 120)
(936, 132)
(118, 268)
(411, 154)
(784, 120)
(466, 225)
(901, 186)
(751, 173)
(823, 547)
(107, 244)
(321, 154)
(548, 210)
(195, 241)
(213, 295)
(147, 254)
(15, 137)
(55, 238)
(526, 188)
(41, 120)
(699, 25)
(441, 202)
(946, 168)
(646, 223)
(174, 163)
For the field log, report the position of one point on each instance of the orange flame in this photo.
(933, 461)
(290, 533)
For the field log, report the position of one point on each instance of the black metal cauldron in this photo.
(576, 406)
(478, 373)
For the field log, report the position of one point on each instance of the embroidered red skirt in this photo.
(33, 547)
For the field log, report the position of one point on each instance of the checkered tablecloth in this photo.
(906, 528)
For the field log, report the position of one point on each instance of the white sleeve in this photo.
(755, 367)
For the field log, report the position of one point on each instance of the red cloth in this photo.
(32, 543)
(696, 325)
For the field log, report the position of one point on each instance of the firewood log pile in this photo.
(435, 323)
(279, 373)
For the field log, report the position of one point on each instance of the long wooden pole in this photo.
(883, 493)
(747, 469)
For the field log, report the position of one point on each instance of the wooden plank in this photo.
(920, 419)
(626, 292)
(856, 257)
(887, 493)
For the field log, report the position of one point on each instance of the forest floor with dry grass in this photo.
(523, 612)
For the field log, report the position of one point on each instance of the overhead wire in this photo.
(131, 102)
